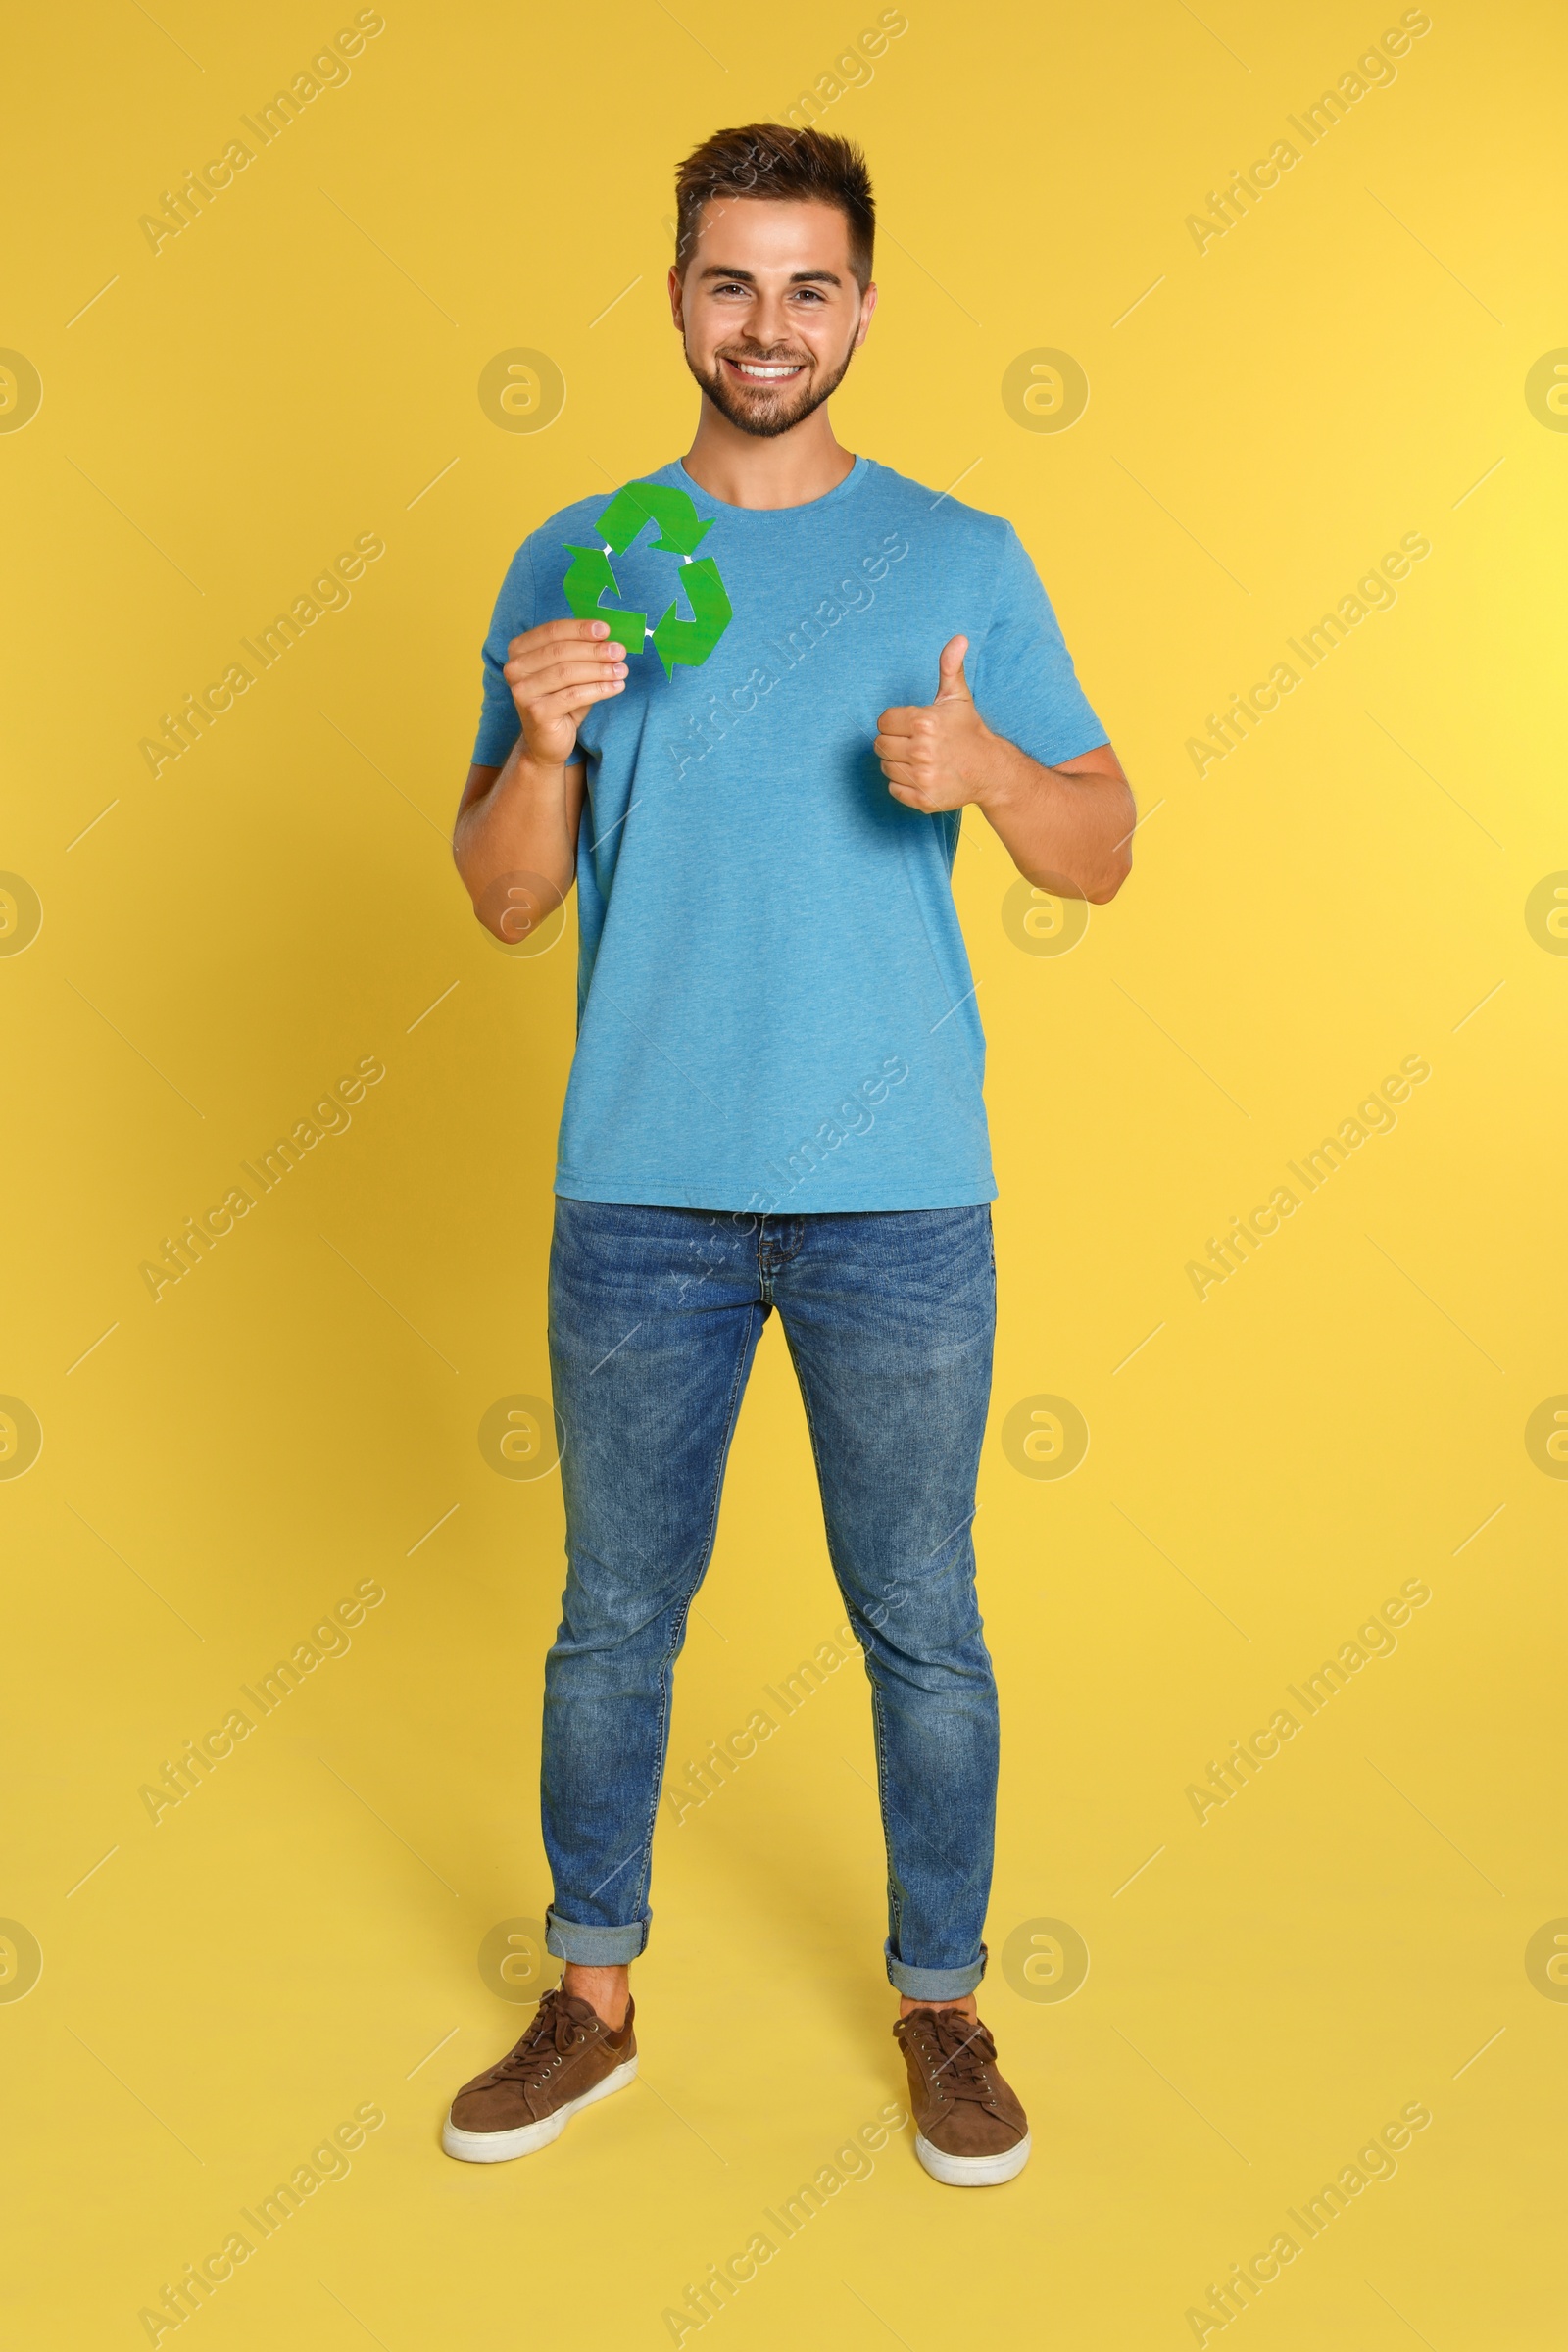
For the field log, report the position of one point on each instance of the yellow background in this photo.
(291, 1941)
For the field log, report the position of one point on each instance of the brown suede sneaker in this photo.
(970, 2129)
(568, 2058)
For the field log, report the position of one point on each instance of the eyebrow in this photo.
(797, 277)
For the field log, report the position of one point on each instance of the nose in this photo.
(768, 325)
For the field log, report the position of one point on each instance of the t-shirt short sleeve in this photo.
(499, 726)
(1023, 681)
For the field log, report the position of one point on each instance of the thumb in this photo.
(950, 681)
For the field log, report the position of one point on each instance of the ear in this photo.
(868, 307)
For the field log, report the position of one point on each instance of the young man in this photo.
(776, 1094)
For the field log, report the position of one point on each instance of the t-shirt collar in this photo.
(708, 505)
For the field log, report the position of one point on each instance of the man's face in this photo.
(769, 309)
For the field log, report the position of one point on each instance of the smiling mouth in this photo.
(766, 371)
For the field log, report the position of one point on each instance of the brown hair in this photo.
(772, 161)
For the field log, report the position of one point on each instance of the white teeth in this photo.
(767, 375)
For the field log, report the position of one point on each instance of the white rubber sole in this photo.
(971, 2171)
(499, 2148)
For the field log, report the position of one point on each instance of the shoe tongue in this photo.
(954, 2029)
(581, 2012)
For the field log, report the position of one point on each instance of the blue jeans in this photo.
(654, 1315)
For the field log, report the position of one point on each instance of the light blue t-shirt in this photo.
(775, 1011)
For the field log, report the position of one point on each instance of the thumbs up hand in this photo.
(934, 754)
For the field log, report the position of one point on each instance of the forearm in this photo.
(1058, 826)
(523, 821)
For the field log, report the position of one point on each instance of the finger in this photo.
(897, 772)
(551, 632)
(950, 681)
(529, 657)
(896, 746)
(901, 719)
(910, 798)
(531, 682)
(534, 691)
(566, 700)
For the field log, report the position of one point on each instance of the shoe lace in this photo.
(553, 2033)
(958, 2050)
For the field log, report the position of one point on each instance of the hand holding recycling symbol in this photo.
(680, 533)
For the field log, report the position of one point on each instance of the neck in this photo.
(789, 470)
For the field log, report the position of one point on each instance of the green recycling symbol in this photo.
(680, 533)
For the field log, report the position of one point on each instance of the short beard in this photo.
(781, 416)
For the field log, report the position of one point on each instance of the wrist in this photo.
(998, 773)
(528, 772)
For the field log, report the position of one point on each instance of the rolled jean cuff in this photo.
(932, 1983)
(594, 1947)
